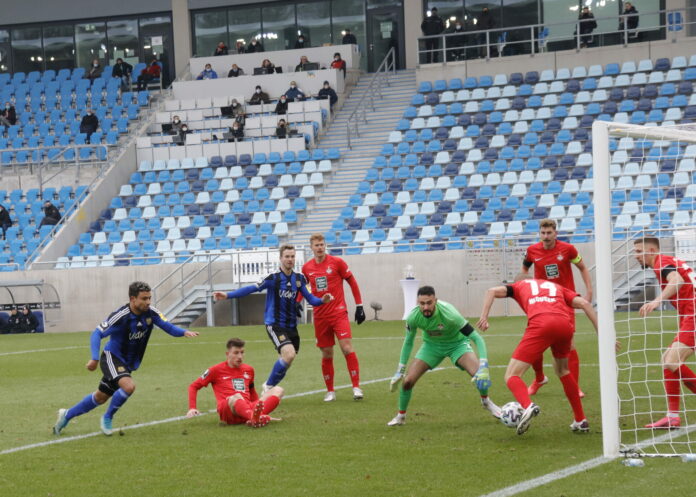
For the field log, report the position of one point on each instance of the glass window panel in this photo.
(245, 24)
(519, 13)
(449, 10)
(123, 40)
(4, 36)
(350, 14)
(90, 39)
(59, 46)
(279, 32)
(4, 57)
(609, 9)
(371, 4)
(155, 33)
(313, 22)
(26, 48)
(210, 28)
(559, 16)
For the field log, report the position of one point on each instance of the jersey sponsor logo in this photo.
(137, 335)
(552, 271)
(322, 283)
(435, 333)
(238, 384)
(104, 325)
(205, 374)
(535, 300)
(287, 294)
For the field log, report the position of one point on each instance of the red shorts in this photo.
(326, 327)
(687, 335)
(554, 331)
(226, 414)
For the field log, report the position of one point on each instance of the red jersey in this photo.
(684, 301)
(327, 277)
(226, 382)
(540, 297)
(554, 264)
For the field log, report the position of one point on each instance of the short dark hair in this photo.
(284, 247)
(426, 290)
(136, 287)
(235, 342)
(650, 240)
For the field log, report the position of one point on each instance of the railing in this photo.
(537, 38)
(374, 90)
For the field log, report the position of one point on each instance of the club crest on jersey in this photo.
(246, 375)
(560, 257)
(298, 283)
(440, 326)
(329, 271)
(120, 369)
(148, 321)
(281, 337)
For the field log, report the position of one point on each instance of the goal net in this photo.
(644, 186)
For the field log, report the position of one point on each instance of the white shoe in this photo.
(526, 418)
(61, 422)
(330, 396)
(580, 426)
(399, 419)
(358, 393)
(487, 403)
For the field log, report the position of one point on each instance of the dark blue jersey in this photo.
(129, 334)
(281, 297)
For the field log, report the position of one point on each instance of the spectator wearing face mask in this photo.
(8, 115)
(237, 109)
(456, 42)
(254, 47)
(328, 92)
(89, 124)
(301, 42)
(176, 125)
(294, 93)
(207, 73)
(123, 71)
(235, 72)
(282, 105)
(221, 49)
(339, 63)
(281, 130)
(14, 323)
(28, 321)
(237, 132)
(94, 71)
(183, 131)
(259, 97)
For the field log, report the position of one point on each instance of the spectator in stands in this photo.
(152, 71)
(259, 97)
(485, 23)
(301, 42)
(183, 131)
(5, 220)
(432, 25)
(123, 71)
(302, 66)
(281, 130)
(94, 71)
(268, 66)
(456, 43)
(629, 20)
(587, 24)
(235, 72)
(8, 115)
(254, 47)
(239, 46)
(339, 63)
(207, 73)
(328, 92)
(348, 38)
(221, 49)
(237, 110)
(51, 215)
(28, 322)
(89, 124)
(282, 105)
(237, 132)
(14, 323)
(294, 93)
(176, 125)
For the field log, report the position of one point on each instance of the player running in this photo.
(233, 385)
(326, 273)
(550, 323)
(129, 329)
(445, 334)
(552, 260)
(280, 315)
(678, 282)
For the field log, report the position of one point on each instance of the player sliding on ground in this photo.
(550, 323)
(233, 385)
(129, 329)
(678, 282)
(280, 315)
(445, 334)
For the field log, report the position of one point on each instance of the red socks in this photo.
(353, 369)
(327, 370)
(672, 389)
(570, 387)
(538, 367)
(574, 366)
(270, 403)
(688, 377)
(519, 390)
(242, 408)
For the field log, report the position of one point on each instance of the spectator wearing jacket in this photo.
(151, 71)
(432, 25)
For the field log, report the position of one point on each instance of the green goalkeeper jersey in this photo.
(442, 326)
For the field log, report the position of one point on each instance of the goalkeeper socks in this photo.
(570, 387)
(404, 399)
(688, 377)
(574, 366)
(242, 408)
(673, 390)
(327, 370)
(277, 373)
(538, 367)
(353, 369)
(519, 391)
(270, 403)
(82, 407)
(119, 398)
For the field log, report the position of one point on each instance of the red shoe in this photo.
(263, 420)
(255, 416)
(666, 423)
(536, 385)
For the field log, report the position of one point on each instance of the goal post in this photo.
(641, 175)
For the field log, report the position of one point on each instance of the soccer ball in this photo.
(511, 414)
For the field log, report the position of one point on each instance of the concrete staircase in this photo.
(356, 161)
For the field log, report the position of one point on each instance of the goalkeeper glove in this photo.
(482, 378)
(298, 309)
(398, 376)
(359, 314)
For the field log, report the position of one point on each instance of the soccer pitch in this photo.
(450, 446)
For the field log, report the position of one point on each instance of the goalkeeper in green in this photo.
(445, 334)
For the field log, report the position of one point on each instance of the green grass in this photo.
(450, 446)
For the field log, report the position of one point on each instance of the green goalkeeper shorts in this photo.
(433, 353)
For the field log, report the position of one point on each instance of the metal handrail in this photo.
(359, 115)
(538, 41)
